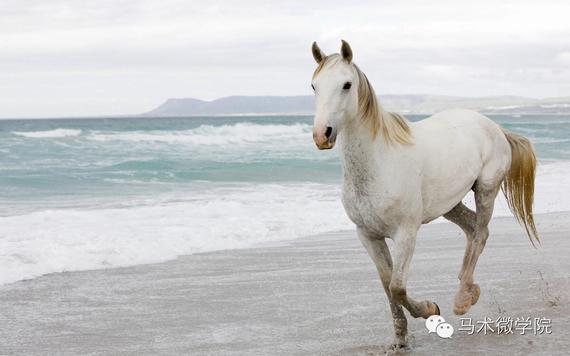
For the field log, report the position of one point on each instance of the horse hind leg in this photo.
(466, 219)
(469, 292)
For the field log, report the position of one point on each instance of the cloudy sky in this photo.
(66, 57)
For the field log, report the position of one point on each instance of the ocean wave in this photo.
(209, 135)
(223, 218)
(538, 122)
(214, 218)
(57, 133)
(549, 140)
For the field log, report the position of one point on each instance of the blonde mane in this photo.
(393, 127)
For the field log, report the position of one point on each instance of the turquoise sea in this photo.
(104, 192)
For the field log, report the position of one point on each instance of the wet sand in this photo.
(318, 295)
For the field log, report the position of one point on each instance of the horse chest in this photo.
(365, 209)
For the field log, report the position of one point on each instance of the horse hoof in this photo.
(433, 309)
(463, 301)
(460, 310)
(397, 348)
(437, 311)
(467, 296)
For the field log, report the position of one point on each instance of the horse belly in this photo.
(442, 199)
(447, 180)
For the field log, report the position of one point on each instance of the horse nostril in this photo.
(328, 132)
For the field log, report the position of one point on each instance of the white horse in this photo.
(399, 175)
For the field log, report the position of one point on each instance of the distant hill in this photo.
(235, 105)
(407, 104)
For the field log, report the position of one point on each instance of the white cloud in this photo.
(67, 57)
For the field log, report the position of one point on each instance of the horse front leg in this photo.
(404, 244)
(380, 254)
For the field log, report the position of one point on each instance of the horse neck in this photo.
(360, 152)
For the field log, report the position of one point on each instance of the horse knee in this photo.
(482, 234)
(398, 292)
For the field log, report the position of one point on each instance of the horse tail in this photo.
(518, 185)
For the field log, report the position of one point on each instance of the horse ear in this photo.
(346, 51)
(318, 55)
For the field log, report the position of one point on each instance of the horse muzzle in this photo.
(325, 138)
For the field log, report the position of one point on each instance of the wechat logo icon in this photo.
(436, 324)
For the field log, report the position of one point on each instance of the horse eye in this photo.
(312, 86)
(347, 85)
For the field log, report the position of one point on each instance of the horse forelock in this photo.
(326, 62)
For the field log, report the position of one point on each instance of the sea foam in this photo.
(209, 135)
(78, 239)
(49, 133)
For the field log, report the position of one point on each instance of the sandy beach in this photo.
(313, 296)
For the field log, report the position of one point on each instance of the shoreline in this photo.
(314, 295)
